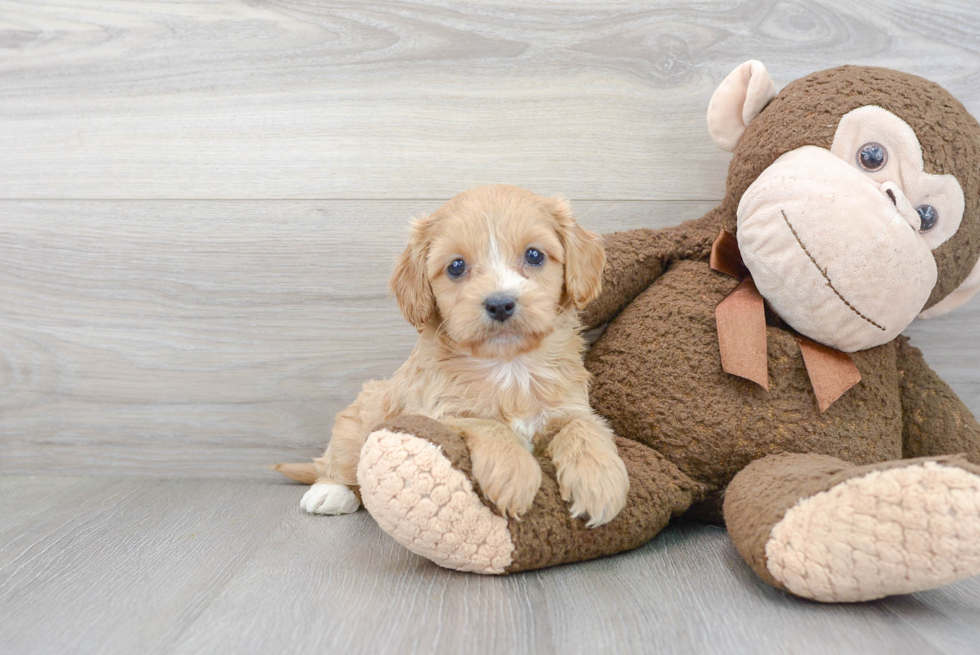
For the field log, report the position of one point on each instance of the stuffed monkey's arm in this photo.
(936, 422)
(634, 259)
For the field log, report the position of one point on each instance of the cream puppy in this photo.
(493, 280)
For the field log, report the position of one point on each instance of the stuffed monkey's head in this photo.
(855, 197)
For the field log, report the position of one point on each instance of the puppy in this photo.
(493, 281)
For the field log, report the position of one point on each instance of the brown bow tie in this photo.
(741, 321)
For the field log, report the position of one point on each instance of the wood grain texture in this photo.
(190, 566)
(199, 205)
(302, 99)
(203, 338)
(121, 566)
(194, 338)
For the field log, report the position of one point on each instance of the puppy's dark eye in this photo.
(456, 268)
(872, 156)
(927, 217)
(534, 257)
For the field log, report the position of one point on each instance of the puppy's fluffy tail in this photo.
(304, 473)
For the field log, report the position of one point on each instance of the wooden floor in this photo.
(199, 205)
(101, 565)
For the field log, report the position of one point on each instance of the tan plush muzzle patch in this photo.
(831, 253)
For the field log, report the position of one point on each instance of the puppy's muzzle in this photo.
(500, 308)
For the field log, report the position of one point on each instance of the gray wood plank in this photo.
(24, 499)
(340, 585)
(192, 566)
(121, 566)
(688, 591)
(947, 617)
(951, 347)
(302, 99)
(202, 338)
(344, 586)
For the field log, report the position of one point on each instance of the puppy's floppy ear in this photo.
(584, 255)
(408, 282)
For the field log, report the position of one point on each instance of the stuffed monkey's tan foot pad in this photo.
(414, 493)
(894, 531)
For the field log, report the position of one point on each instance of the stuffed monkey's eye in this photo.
(456, 268)
(872, 156)
(928, 217)
(534, 257)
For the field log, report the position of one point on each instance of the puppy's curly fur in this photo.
(509, 384)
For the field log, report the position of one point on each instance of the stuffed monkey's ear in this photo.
(408, 282)
(584, 255)
(739, 99)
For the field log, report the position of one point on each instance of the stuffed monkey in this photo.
(753, 366)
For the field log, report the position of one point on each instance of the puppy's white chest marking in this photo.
(509, 374)
(527, 428)
(514, 375)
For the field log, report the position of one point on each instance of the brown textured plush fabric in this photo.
(634, 259)
(762, 493)
(658, 380)
(547, 535)
(936, 421)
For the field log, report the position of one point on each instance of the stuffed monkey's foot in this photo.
(857, 533)
(415, 478)
(410, 486)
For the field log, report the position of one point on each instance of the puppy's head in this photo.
(497, 266)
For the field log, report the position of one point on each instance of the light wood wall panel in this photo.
(190, 336)
(200, 201)
(299, 99)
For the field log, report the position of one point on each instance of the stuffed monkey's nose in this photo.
(902, 204)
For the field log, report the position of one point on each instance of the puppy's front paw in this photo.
(596, 483)
(329, 498)
(509, 476)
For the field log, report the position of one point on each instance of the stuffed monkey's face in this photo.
(840, 241)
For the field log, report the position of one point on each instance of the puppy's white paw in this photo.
(329, 498)
(596, 485)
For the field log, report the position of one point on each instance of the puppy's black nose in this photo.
(500, 308)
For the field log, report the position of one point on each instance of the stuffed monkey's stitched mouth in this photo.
(825, 276)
